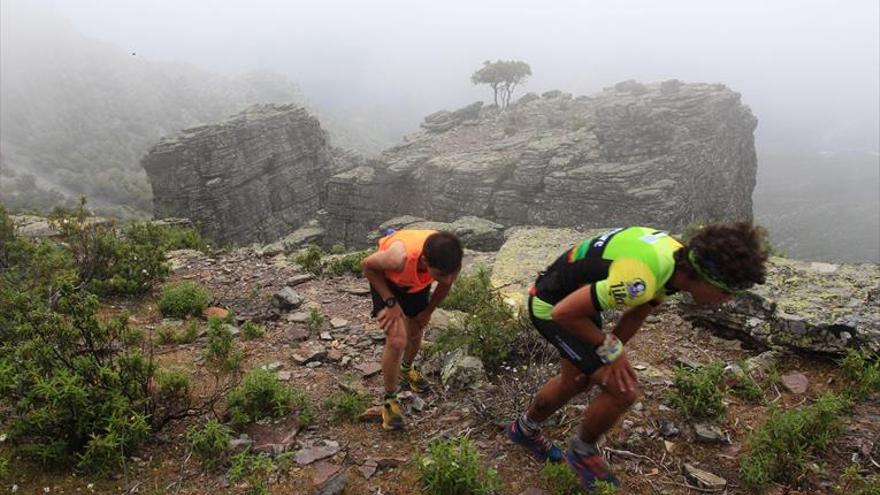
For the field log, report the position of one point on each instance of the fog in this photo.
(808, 69)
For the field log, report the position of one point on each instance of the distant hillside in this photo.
(77, 114)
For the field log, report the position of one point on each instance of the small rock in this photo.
(234, 330)
(309, 455)
(390, 462)
(314, 364)
(215, 312)
(287, 299)
(796, 383)
(296, 334)
(273, 366)
(377, 336)
(284, 376)
(345, 361)
(309, 354)
(627, 424)
(243, 442)
(357, 290)
(368, 468)
(299, 278)
(705, 479)
(326, 336)
(338, 322)
(368, 369)
(335, 486)
(668, 428)
(274, 437)
(462, 371)
(687, 363)
(418, 404)
(708, 433)
(335, 355)
(323, 472)
(298, 317)
(762, 363)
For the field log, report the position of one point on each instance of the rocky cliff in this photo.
(664, 154)
(254, 177)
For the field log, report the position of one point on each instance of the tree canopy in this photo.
(502, 76)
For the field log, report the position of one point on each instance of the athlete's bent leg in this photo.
(558, 391)
(395, 345)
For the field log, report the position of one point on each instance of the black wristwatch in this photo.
(390, 302)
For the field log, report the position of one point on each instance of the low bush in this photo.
(747, 388)
(210, 443)
(469, 291)
(452, 467)
(347, 405)
(252, 468)
(170, 334)
(347, 264)
(853, 483)
(4, 467)
(779, 450)
(221, 353)
(560, 479)
(315, 321)
(259, 395)
(862, 369)
(251, 331)
(184, 299)
(310, 259)
(699, 393)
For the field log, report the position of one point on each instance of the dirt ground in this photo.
(646, 461)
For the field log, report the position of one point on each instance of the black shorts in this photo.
(411, 303)
(580, 353)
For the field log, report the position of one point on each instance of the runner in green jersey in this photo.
(632, 269)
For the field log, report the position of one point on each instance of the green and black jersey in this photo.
(627, 267)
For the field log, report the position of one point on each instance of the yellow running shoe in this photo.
(415, 379)
(392, 416)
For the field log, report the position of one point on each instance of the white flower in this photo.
(2, 437)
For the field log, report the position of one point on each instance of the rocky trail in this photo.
(653, 450)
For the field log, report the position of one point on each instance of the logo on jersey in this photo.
(635, 288)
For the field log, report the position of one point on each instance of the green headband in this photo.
(709, 278)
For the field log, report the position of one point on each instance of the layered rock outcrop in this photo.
(254, 177)
(665, 154)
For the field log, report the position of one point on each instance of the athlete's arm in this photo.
(575, 313)
(631, 320)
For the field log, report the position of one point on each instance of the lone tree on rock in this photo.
(502, 76)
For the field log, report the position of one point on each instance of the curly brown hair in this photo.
(732, 253)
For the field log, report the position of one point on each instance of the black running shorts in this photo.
(581, 354)
(411, 303)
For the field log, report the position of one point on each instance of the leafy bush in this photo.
(315, 321)
(175, 237)
(347, 264)
(347, 406)
(221, 352)
(260, 395)
(491, 330)
(747, 388)
(253, 468)
(698, 393)
(4, 467)
(210, 443)
(862, 369)
(452, 467)
(184, 299)
(780, 450)
(853, 483)
(309, 258)
(172, 383)
(560, 479)
(338, 248)
(251, 330)
(604, 488)
(170, 334)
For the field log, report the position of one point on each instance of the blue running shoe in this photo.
(590, 469)
(542, 448)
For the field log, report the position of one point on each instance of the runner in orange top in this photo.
(401, 273)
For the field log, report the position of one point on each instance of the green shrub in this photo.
(210, 443)
(170, 334)
(338, 248)
(347, 264)
(221, 353)
(184, 299)
(251, 330)
(253, 468)
(469, 291)
(560, 479)
(347, 405)
(189, 335)
(698, 393)
(260, 395)
(452, 467)
(172, 383)
(310, 259)
(175, 237)
(780, 450)
(604, 488)
(315, 321)
(862, 369)
(746, 388)
(853, 483)
(4, 467)
(491, 330)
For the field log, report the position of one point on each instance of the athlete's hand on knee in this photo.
(389, 316)
(619, 375)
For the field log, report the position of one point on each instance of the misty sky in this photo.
(809, 69)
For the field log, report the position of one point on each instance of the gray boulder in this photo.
(461, 371)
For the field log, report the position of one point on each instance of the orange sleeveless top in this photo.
(410, 278)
